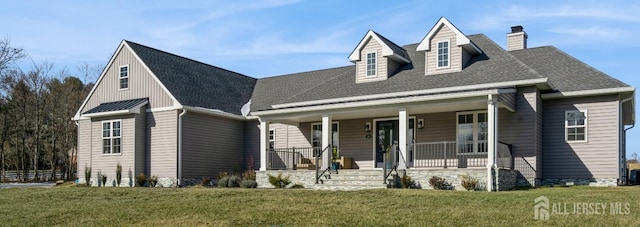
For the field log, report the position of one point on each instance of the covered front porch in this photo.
(432, 133)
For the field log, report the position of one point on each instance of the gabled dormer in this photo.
(446, 49)
(377, 58)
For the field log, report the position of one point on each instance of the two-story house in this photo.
(450, 105)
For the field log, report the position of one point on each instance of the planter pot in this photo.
(335, 165)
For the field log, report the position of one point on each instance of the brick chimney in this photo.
(517, 39)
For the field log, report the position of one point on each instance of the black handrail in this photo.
(318, 174)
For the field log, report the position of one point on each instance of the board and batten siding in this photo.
(381, 65)
(141, 84)
(211, 145)
(161, 143)
(596, 158)
(106, 163)
(444, 33)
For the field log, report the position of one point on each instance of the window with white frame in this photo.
(443, 54)
(371, 64)
(316, 135)
(124, 77)
(272, 139)
(575, 123)
(472, 132)
(111, 137)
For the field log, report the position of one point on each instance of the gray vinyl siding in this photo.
(139, 141)
(381, 65)
(519, 130)
(508, 100)
(355, 144)
(252, 144)
(516, 42)
(288, 136)
(84, 146)
(141, 84)
(466, 58)
(455, 52)
(211, 145)
(106, 163)
(596, 158)
(161, 143)
(392, 66)
(438, 127)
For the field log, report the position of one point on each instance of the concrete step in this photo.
(351, 182)
(347, 187)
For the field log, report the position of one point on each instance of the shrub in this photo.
(104, 179)
(87, 175)
(439, 183)
(205, 181)
(297, 186)
(249, 175)
(222, 175)
(141, 180)
(248, 184)
(279, 181)
(231, 181)
(469, 182)
(153, 181)
(407, 182)
(118, 174)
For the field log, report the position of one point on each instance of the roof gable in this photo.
(389, 49)
(461, 39)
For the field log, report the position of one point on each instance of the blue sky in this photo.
(267, 38)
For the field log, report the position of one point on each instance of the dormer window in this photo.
(124, 77)
(443, 54)
(371, 64)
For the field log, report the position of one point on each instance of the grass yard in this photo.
(276, 207)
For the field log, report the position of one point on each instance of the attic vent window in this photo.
(443, 54)
(371, 64)
(124, 77)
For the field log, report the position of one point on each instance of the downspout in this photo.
(623, 144)
(184, 111)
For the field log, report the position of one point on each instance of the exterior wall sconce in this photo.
(420, 123)
(367, 127)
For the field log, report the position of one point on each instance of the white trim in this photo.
(264, 144)
(474, 131)
(120, 77)
(417, 92)
(448, 66)
(78, 115)
(582, 93)
(461, 39)
(386, 50)
(214, 112)
(375, 64)
(391, 101)
(111, 137)
(586, 128)
(374, 131)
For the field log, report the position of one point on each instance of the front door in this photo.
(386, 136)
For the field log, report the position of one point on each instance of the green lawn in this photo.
(276, 207)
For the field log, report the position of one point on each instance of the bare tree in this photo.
(9, 54)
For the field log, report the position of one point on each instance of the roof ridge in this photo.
(388, 40)
(189, 59)
(317, 70)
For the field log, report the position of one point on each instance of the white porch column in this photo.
(326, 141)
(403, 121)
(264, 144)
(492, 140)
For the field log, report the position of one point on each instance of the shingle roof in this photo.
(118, 105)
(564, 71)
(195, 83)
(493, 65)
(396, 49)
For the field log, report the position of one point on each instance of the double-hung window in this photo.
(111, 137)
(124, 77)
(272, 139)
(472, 132)
(371, 64)
(443, 54)
(575, 123)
